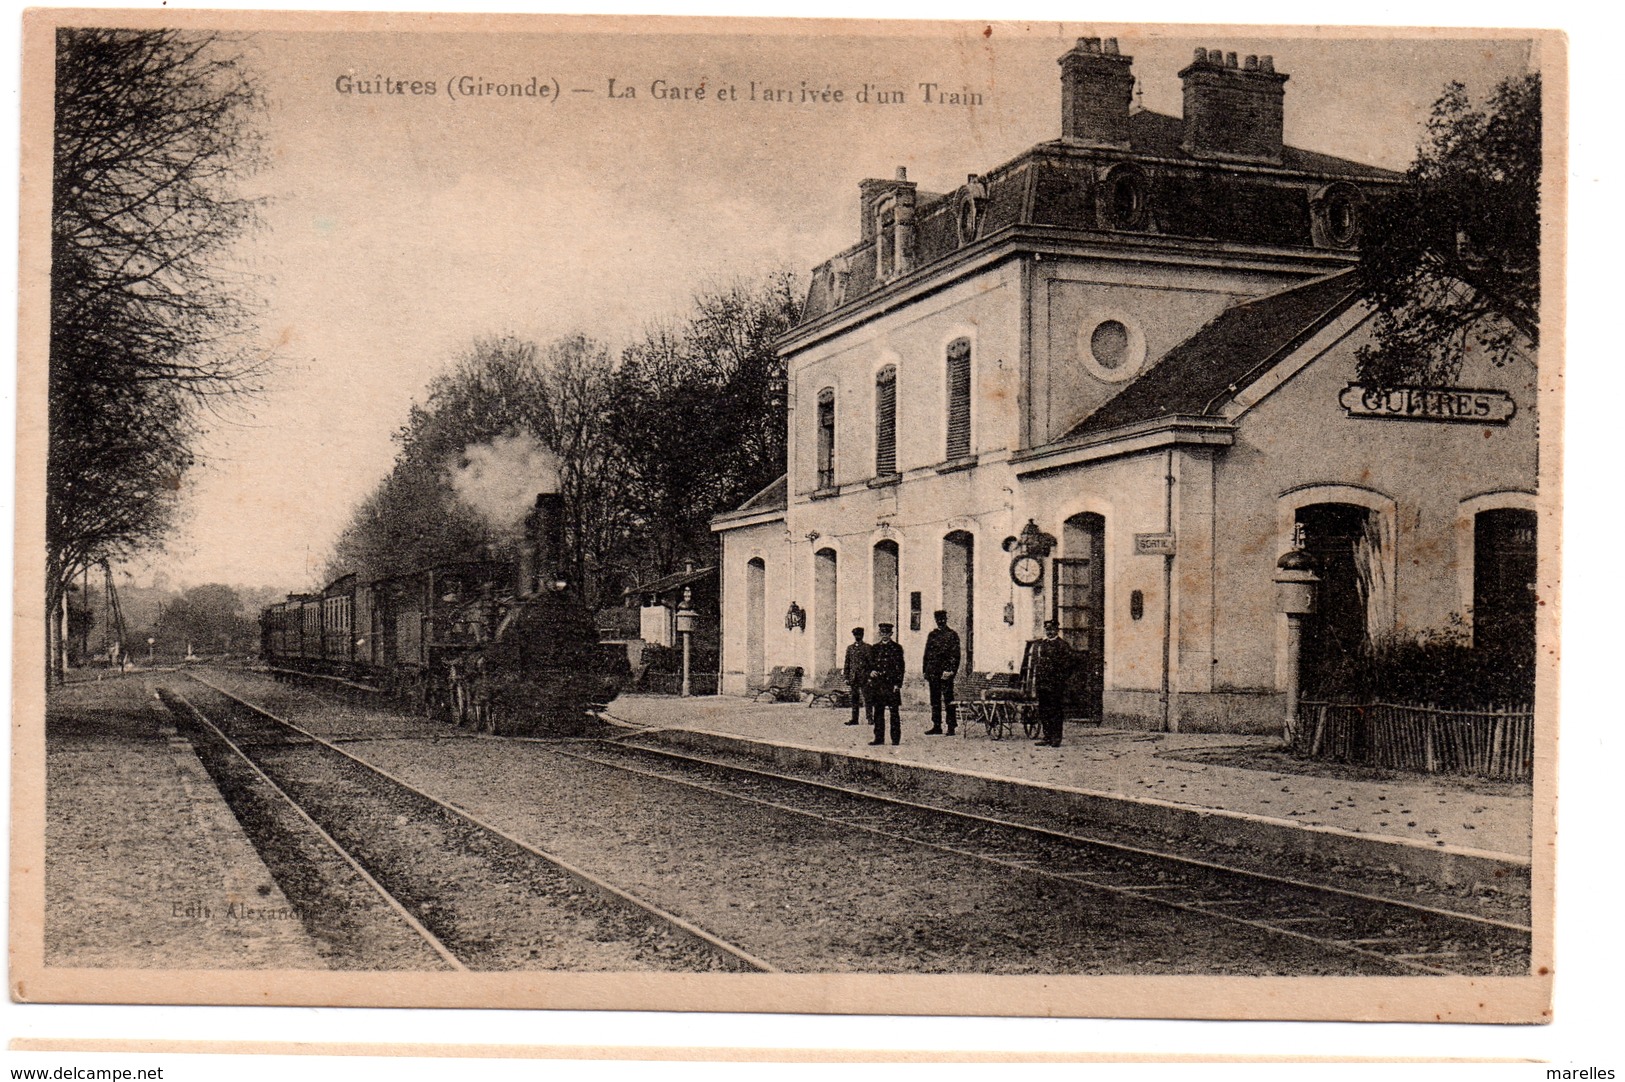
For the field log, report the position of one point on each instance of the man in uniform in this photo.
(856, 671)
(1052, 662)
(886, 686)
(941, 665)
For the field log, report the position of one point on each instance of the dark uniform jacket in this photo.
(1052, 661)
(857, 664)
(941, 652)
(885, 671)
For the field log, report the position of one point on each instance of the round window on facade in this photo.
(1111, 346)
(1108, 344)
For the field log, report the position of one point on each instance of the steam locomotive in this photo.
(482, 643)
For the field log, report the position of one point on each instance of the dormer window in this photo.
(1125, 199)
(969, 212)
(885, 240)
(1336, 216)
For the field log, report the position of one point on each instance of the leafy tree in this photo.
(414, 518)
(209, 619)
(699, 415)
(690, 422)
(1451, 262)
(148, 323)
(504, 400)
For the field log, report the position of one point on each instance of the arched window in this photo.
(825, 612)
(886, 421)
(826, 438)
(959, 590)
(958, 399)
(887, 558)
(755, 620)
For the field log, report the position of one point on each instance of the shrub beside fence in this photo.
(671, 683)
(1497, 743)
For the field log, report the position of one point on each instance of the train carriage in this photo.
(338, 607)
(363, 634)
(310, 630)
(502, 645)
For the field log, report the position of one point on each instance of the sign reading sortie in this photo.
(1155, 544)
(1462, 404)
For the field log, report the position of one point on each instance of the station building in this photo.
(1111, 382)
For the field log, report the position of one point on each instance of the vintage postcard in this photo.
(781, 515)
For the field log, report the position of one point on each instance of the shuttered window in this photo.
(959, 399)
(886, 421)
(826, 438)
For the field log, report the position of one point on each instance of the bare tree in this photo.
(579, 374)
(148, 321)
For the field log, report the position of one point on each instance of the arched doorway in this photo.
(755, 621)
(959, 591)
(1339, 537)
(887, 558)
(825, 614)
(1080, 608)
(1504, 560)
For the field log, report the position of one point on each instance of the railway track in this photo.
(475, 896)
(1025, 880)
(1412, 938)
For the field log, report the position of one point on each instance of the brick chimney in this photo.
(1096, 88)
(1233, 111)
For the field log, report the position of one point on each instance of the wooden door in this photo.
(1080, 608)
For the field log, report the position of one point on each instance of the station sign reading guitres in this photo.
(1462, 404)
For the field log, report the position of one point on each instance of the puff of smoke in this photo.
(499, 480)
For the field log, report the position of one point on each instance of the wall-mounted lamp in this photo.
(1035, 542)
(796, 618)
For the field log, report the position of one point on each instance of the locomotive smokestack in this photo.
(526, 584)
(541, 555)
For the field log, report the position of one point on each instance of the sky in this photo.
(399, 228)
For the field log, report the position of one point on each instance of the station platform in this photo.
(147, 868)
(1232, 790)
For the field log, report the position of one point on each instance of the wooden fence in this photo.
(1496, 743)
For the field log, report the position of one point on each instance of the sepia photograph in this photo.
(698, 514)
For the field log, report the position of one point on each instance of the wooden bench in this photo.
(833, 691)
(783, 685)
